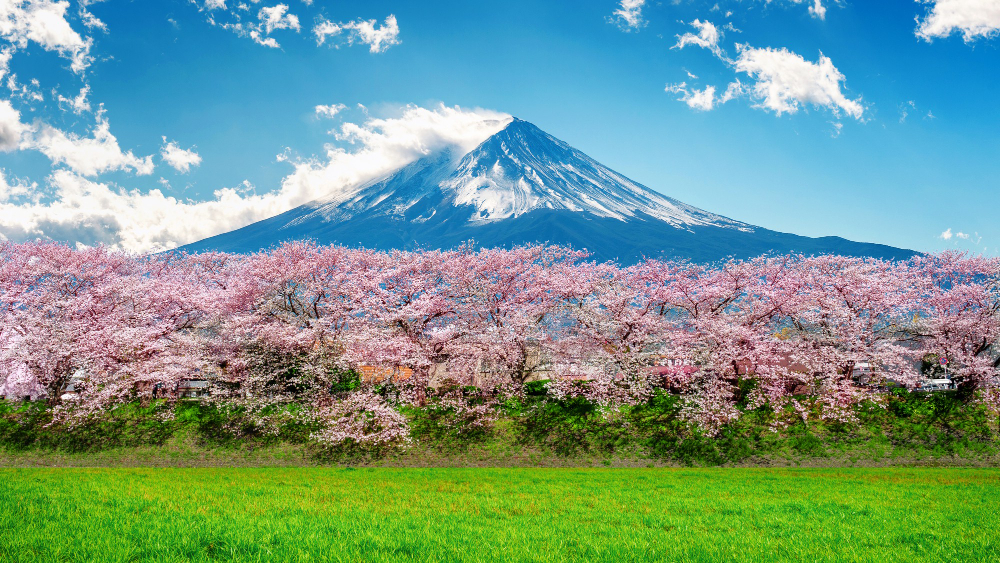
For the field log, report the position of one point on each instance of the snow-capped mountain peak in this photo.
(516, 171)
(521, 185)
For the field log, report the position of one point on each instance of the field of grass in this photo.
(320, 514)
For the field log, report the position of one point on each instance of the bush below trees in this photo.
(536, 428)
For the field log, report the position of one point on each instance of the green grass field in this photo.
(314, 514)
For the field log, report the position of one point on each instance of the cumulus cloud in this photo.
(241, 20)
(708, 37)
(79, 103)
(268, 20)
(179, 159)
(87, 156)
(29, 92)
(780, 80)
(628, 16)
(5, 56)
(703, 100)
(277, 17)
(89, 19)
(379, 39)
(974, 19)
(974, 239)
(14, 188)
(11, 127)
(43, 22)
(386, 144)
(329, 111)
(817, 9)
(75, 208)
(733, 91)
(785, 81)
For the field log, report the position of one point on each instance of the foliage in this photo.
(903, 427)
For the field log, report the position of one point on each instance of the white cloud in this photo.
(180, 159)
(785, 81)
(326, 29)
(628, 16)
(5, 56)
(44, 22)
(818, 10)
(88, 156)
(974, 19)
(240, 20)
(78, 104)
(904, 110)
(277, 17)
(733, 91)
(379, 39)
(269, 19)
(265, 41)
(974, 239)
(79, 209)
(705, 99)
(29, 93)
(386, 145)
(708, 37)
(702, 100)
(11, 127)
(14, 189)
(89, 19)
(329, 111)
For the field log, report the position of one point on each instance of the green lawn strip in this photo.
(320, 514)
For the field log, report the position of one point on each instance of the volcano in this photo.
(521, 185)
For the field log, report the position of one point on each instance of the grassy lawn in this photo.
(315, 514)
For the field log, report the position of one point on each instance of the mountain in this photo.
(518, 186)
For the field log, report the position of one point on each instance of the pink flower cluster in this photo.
(87, 329)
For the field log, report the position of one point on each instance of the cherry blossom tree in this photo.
(86, 329)
(958, 317)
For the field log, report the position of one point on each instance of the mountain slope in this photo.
(522, 185)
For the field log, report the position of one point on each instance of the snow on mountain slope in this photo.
(518, 170)
(522, 168)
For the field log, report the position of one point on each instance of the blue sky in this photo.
(875, 121)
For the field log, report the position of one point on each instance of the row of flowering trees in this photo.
(284, 326)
